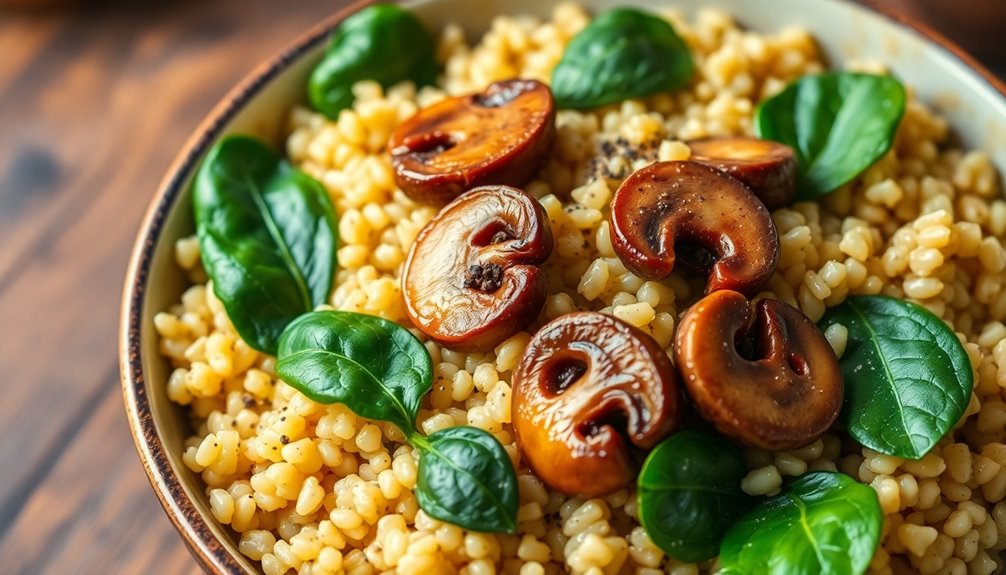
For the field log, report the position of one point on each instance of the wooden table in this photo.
(94, 103)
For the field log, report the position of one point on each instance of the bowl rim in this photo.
(209, 552)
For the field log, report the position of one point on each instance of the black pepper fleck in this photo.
(484, 277)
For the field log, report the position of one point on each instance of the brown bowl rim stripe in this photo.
(209, 552)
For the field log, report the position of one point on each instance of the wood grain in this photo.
(95, 100)
(975, 25)
(94, 512)
(94, 104)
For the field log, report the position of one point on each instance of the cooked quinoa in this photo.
(314, 489)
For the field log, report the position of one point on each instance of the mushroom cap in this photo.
(500, 136)
(704, 216)
(590, 392)
(768, 168)
(472, 278)
(783, 391)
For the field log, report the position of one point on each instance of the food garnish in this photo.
(379, 370)
(839, 124)
(907, 376)
(372, 365)
(689, 492)
(267, 237)
(382, 42)
(624, 53)
(823, 523)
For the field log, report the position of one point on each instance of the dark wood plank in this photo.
(22, 37)
(119, 123)
(93, 107)
(102, 73)
(975, 25)
(94, 512)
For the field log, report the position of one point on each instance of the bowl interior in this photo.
(846, 32)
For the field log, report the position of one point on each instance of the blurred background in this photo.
(96, 98)
(976, 25)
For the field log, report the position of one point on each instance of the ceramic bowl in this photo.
(942, 75)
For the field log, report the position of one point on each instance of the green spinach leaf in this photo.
(823, 523)
(690, 494)
(624, 53)
(383, 42)
(466, 478)
(373, 366)
(839, 124)
(267, 237)
(907, 377)
(381, 371)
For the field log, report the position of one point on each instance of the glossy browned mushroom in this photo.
(700, 215)
(765, 376)
(472, 278)
(768, 168)
(500, 136)
(589, 392)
